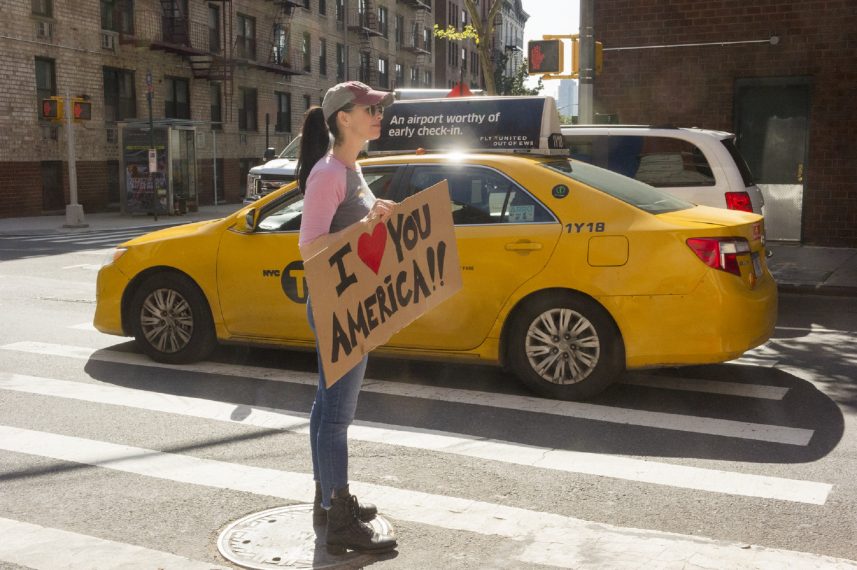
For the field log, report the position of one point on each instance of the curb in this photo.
(819, 289)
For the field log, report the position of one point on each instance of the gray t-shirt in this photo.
(336, 196)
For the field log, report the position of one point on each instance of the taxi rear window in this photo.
(628, 190)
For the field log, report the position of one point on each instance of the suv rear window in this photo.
(746, 175)
(662, 162)
(628, 190)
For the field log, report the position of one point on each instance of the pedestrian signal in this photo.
(544, 56)
(52, 109)
(82, 110)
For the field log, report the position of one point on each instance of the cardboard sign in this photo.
(372, 279)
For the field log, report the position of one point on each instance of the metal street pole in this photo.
(73, 211)
(214, 160)
(150, 93)
(586, 93)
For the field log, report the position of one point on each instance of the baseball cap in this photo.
(355, 92)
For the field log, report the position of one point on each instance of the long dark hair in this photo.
(315, 140)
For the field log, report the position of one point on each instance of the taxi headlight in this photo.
(113, 255)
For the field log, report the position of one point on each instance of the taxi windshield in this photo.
(292, 149)
(634, 192)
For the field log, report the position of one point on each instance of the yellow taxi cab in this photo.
(571, 273)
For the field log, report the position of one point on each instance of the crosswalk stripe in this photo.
(711, 480)
(84, 327)
(544, 537)
(707, 386)
(595, 412)
(37, 547)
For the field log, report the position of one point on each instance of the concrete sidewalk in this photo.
(797, 268)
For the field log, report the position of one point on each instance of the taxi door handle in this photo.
(523, 246)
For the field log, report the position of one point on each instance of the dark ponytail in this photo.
(315, 140)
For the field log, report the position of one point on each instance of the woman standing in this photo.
(336, 196)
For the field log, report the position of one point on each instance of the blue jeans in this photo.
(332, 413)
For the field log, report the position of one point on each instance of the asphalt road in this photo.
(109, 458)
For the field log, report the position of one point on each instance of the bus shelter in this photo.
(163, 181)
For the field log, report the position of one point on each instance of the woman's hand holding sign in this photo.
(381, 209)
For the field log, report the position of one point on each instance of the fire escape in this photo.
(212, 48)
(417, 40)
(364, 23)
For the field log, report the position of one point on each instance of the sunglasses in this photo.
(376, 109)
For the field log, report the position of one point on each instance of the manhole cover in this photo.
(284, 537)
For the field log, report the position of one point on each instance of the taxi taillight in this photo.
(739, 201)
(720, 253)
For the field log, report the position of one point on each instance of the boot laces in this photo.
(355, 513)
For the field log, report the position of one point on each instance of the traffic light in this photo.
(52, 109)
(81, 110)
(575, 57)
(544, 56)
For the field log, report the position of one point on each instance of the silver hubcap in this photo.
(562, 346)
(166, 320)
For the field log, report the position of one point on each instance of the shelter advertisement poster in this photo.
(141, 188)
(372, 279)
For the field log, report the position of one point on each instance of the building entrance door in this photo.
(772, 124)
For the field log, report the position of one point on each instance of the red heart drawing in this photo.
(370, 248)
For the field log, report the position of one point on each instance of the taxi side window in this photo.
(286, 216)
(481, 195)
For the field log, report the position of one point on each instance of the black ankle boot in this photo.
(345, 530)
(319, 514)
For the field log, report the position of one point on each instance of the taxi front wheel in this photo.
(565, 346)
(170, 319)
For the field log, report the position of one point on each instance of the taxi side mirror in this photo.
(250, 220)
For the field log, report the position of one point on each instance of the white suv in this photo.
(698, 165)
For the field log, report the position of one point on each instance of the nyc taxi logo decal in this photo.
(292, 280)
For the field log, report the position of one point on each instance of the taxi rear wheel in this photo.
(170, 319)
(565, 346)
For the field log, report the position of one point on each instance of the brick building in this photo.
(782, 74)
(241, 72)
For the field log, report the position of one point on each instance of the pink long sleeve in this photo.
(325, 191)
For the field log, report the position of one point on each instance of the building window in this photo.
(43, 8)
(427, 39)
(463, 59)
(382, 21)
(340, 10)
(245, 42)
(428, 78)
(46, 81)
(340, 62)
(247, 110)
(322, 58)
(322, 7)
(284, 112)
(213, 28)
(306, 4)
(400, 30)
(177, 98)
(280, 50)
(216, 106)
(414, 72)
(120, 100)
(400, 75)
(307, 102)
(307, 53)
(383, 74)
(365, 67)
(117, 16)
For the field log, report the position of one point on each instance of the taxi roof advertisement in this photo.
(471, 123)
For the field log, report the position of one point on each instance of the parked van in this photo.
(697, 165)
